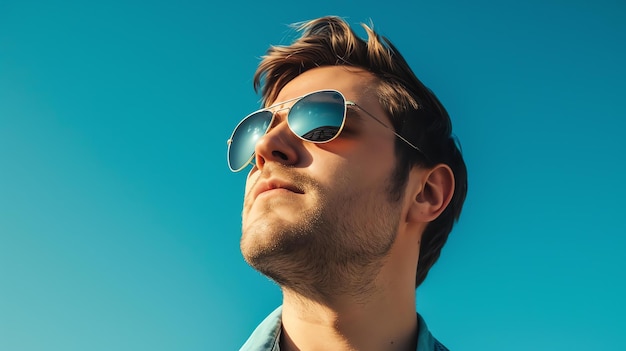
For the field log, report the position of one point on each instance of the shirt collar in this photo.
(266, 337)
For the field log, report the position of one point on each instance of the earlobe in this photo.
(433, 195)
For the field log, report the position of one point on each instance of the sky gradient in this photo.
(120, 221)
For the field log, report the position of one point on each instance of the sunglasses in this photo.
(316, 117)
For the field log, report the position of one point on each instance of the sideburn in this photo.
(399, 176)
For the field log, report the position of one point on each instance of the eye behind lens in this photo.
(318, 117)
(245, 138)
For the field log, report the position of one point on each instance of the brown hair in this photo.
(414, 110)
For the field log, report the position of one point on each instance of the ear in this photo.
(432, 192)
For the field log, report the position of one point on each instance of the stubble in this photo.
(336, 247)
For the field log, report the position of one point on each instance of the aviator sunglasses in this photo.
(317, 117)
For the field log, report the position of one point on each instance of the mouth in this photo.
(266, 187)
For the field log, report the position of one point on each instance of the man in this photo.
(356, 182)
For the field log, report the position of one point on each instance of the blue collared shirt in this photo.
(266, 337)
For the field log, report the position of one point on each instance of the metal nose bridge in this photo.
(276, 113)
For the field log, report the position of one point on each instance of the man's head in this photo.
(342, 201)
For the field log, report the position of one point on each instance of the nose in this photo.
(279, 145)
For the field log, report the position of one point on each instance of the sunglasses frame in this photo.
(346, 103)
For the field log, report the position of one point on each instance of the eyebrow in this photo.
(276, 104)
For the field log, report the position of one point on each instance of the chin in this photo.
(265, 241)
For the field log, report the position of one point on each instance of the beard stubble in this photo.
(336, 247)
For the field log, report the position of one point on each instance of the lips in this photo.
(272, 184)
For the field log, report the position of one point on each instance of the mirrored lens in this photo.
(318, 117)
(245, 137)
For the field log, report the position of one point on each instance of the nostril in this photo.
(280, 154)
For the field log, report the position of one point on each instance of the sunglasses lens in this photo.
(318, 117)
(245, 137)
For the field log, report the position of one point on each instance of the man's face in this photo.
(320, 211)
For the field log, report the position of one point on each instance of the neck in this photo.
(385, 321)
(381, 317)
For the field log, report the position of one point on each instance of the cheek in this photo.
(252, 178)
(249, 184)
(250, 181)
(366, 167)
(374, 157)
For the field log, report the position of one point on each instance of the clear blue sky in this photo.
(120, 221)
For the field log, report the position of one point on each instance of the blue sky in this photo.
(120, 221)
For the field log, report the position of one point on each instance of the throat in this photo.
(347, 325)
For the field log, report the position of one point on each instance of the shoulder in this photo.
(266, 335)
(425, 340)
(439, 346)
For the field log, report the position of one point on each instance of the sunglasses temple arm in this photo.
(384, 125)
